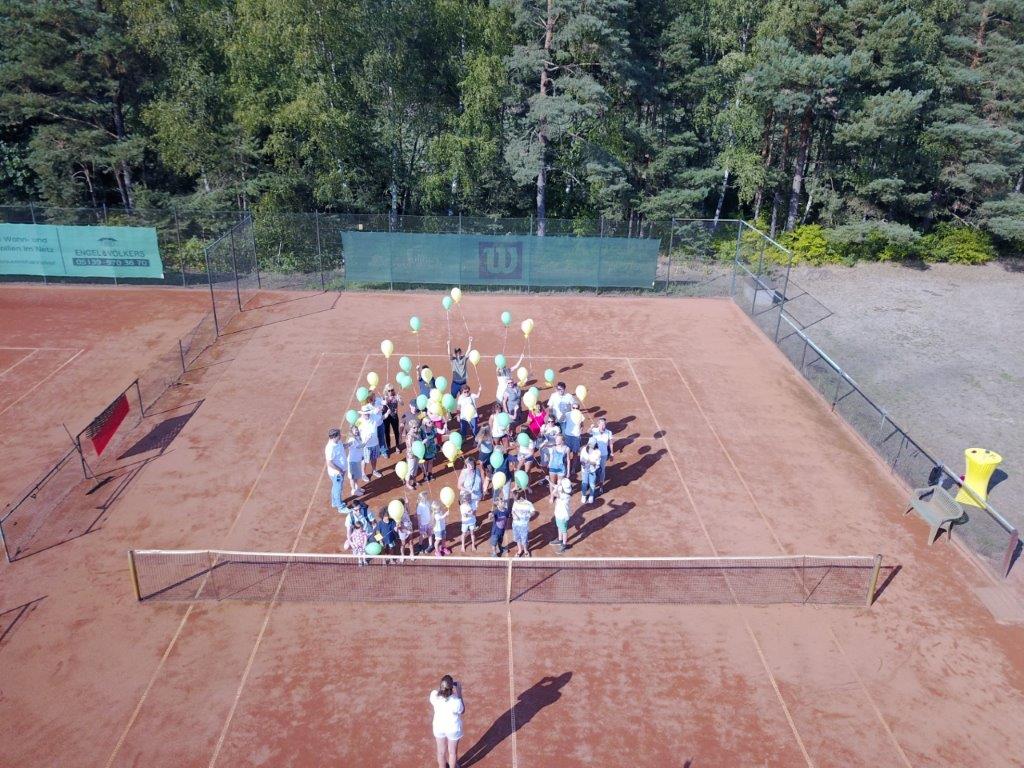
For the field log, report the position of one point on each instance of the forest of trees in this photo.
(861, 128)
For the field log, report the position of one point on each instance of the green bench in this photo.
(937, 507)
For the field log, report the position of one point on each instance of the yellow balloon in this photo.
(456, 295)
(450, 451)
(523, 374)
(474, 356)
(427, 375)
(402, 470)
(387, 348)
(447, 496)
(396, 510)
(499, 480)
(527, 327)
(372, 379)
(434, 408)
(577, 417)
(435, 395)
(529, 400)
(581, 393)
(470, 413)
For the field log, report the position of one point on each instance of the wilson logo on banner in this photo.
(501, 261)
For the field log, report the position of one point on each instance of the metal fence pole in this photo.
(234, 267)
(213, 298)
(671, 246)
(319, 254)
(177, 240)
(181, 351)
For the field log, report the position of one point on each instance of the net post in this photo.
(138, 394)
(873, 585)
(135, 575)
(508, 583)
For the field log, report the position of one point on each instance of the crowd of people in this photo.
(506, 452)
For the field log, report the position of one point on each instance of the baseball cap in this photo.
(333, 433)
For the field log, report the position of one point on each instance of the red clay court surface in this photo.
(725, 451)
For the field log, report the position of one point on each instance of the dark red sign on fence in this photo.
(104, 426)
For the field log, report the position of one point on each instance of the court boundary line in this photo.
(184, 619)
(512, 690)
(739, 475)
(43, 380)
(714, 550)
(17, 362)
(243, 681)
(42, 349)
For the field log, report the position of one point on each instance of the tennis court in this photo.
(723, 451)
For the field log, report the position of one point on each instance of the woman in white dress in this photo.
(448, 709)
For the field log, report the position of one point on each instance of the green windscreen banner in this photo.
(58, 251)
(513, 260)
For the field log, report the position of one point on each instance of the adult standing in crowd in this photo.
(334, 454)
(369, 432)
(606, 446)
(392, 411)
(522, 512)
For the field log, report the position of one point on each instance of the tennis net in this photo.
(186, 575)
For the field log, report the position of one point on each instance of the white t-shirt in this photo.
(522, 511)
(334, 451)
(368, 431)
(590, 458)
(355, 450)
(447, 715)
(497, 431)
(424, 514)
(563, 510)
(571, 426)
(603, 437)
(560, 404)
(378, 411)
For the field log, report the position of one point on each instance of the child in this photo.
(405, 531)
(355, 460)
(524, 450)
(356, 541)
(440, 524)
(385, 533)
(429, 437)
(425, 518)
(468, 522)
(522, 512)
(563, 511)
(502, 510)
(412, 434)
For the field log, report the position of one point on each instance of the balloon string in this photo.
(464, 322)
(505, 342)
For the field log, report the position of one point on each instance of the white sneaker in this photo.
(376, 474)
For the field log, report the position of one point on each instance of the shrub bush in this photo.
(957, 245)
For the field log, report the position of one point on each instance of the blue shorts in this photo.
(572, 443)
(497, 536)
(521, 533)
(373, 452)
(336, 483)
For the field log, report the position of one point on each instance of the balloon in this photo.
(448, 402)
(396, 510)
(470, 413)
(447, 496)
(435, 395)
(418, 449)
(434, 408)
(535, 392)
(450, 451)
(499, 480)
(387, 348)
(414, 323)
(456, 439)
(456, 295)
(372, 379)
(527, 327)
(446, 302)
(506, 319)
(474, 357)
(421, 403)
(522, 374)
(577, 417)
(523, 439)
(529, 400)
(441, 383)
(549, 376)
(427, 375)
(499, 361)
(362, 393)
(504, 420)
(497, 458)
(405, 363)
(403, 379)
(522, 479)
(373, 548)
(581, 393)
(351, 416)
(402, 470)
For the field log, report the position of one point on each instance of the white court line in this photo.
(41, 349)
(512, 690)
(714, 550)
(42, 381)
(273, 603)
(17, 362)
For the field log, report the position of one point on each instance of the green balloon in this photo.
(522, 479)
(523, 439)
(441, 383)
(373, 548)
(455, 438)
(497, 458)
(499, 361)
(405, 364)
(534, 391)
(418, 449)
(351, 416)
(414, 323)
(506, 318)
(403, 380)
(549, 375)
(504, 420)
(446, 302)
(362, 393)
(448, 402)
(421, 403)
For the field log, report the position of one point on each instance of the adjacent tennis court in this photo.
(750, 643)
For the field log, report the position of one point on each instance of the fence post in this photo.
(138, 394)
(736, 260)
(135, 574)
(319, 253)
(213, 298)
(181, 351)
(460, 222)
(873, 584)
(234, 267)
(32, 211)
(671, 246)
(531, 223)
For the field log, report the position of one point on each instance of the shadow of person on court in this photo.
(616, 509)
(542, 694)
